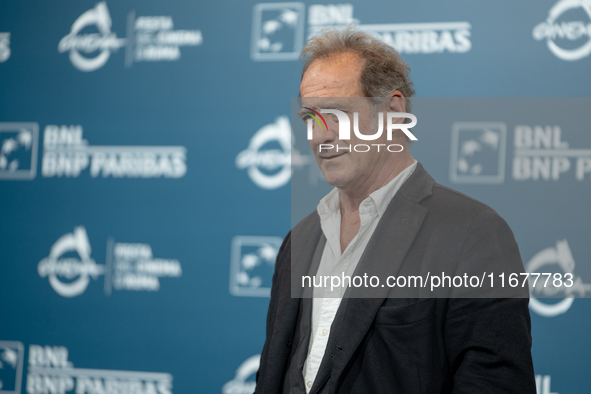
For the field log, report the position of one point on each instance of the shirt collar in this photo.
(329, 205)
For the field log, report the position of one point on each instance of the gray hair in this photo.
(383, 71)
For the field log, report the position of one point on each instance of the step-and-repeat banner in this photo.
(146, 158)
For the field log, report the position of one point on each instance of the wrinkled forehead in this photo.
(337, 76)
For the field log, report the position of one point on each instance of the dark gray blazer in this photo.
(412, 344)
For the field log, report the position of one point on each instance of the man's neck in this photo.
(351, 199)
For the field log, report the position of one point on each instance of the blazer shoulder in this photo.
(442, 202)
(449, 201)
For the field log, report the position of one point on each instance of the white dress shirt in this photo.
(326, 303)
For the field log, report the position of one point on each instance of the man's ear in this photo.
(397, 102)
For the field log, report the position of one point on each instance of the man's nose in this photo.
(322, 135)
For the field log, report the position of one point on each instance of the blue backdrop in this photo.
(145, 175)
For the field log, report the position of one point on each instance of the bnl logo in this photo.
(277, 31)
(18, 150)
(11, 367)
(252, 265)
(478, 152)
(278, 28)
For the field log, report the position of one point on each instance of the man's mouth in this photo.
(332, 156)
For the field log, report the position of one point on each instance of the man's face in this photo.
(335, 84)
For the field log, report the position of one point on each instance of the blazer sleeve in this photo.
(283, 257)
(488, 340)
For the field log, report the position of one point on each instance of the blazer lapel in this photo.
(382, 257)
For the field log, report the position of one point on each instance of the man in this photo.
(386, 216)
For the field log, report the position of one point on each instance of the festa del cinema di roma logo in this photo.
(104, 41)
(129, 266)
(149, 38)
(345, 129)
(271, 167)
(561, 258)
(574, 36)
(80, 268)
